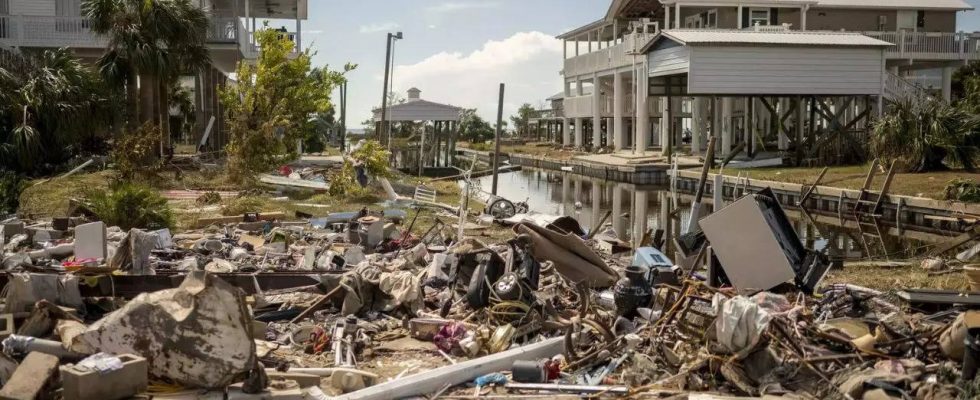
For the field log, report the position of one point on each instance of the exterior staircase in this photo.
(898, 88)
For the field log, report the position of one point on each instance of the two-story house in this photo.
(38, 24)
(662, 74)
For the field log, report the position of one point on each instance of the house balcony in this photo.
(582, 106)
(75, 32)
(930, 46)
(623, 54)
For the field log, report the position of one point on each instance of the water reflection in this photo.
(636, 209)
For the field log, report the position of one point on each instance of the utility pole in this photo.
(343, 116)
(382, 134)
(496, 139)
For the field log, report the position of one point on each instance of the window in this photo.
(758, 16)
(882, 22)
(920, 19)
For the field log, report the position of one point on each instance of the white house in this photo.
(750, 71)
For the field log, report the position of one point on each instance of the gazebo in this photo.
(445, 124)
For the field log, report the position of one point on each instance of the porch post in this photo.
(566, 131)
(697, 125)
(579, 131)
(727, 133)
(740, 17)
(783, 140)
(664, 125)
(596, 112)
(677, 15)
(619, 108)
(642, 110)
(299, 30)
(948, 83)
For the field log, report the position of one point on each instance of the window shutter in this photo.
(774, 16)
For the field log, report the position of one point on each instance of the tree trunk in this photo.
(164, 94)
(147, 99)
(132, 102)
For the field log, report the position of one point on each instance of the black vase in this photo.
(632, 291)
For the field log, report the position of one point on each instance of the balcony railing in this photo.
(51, 31)
(582, 106)
(619, 55)
(930, 45)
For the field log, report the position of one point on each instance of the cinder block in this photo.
(82, 383)
(30, 377)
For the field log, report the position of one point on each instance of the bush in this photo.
(136, 153)
(11, 185)
(375, 159)
(967, 190)
(244, 204)
(926, 135)
(129, 205)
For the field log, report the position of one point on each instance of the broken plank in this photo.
(958, 241)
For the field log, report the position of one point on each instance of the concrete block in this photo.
(30, 377)
(90, 241)
(81, 383)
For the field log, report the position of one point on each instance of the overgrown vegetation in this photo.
(373, 157)
(928, 135)
(11, 185)
(244, 204)
(130, 205)
(967, 190)
(136, 154)
(270, 107)
(51, 105)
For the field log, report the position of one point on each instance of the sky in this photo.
(457, 51)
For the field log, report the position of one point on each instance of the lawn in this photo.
(930, 184)
(534, 149)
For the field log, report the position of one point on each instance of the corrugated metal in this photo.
(697, 37)
(32, 7)
(766, 70)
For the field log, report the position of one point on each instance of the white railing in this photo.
(898, 88)
(48, 31)
(578, 107)
(930, 45)
(223, 30)
(616, 56)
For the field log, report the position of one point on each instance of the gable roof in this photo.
(420, 110)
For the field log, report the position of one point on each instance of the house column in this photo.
(617, 211)
(665, 125)
(697, 125)
(642, 110)
(596, 112)
(619, 109)
(299, 30)
(783, 141)
(566, 131)
(727, 130)
(948, 83)
(579, 131)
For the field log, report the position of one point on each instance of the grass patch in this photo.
(534, 149)
(45, 198)
(928, 184)
(895, 278)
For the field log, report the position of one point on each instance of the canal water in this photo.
(635, 208)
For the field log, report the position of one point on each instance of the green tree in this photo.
(522, 119)
(271, 106)
(50, 103)
(473, 128)
(924, 135)
(151, 43)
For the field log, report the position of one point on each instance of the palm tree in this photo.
(151, 42)
(924, 135)
(49, 103)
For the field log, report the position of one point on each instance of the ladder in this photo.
(868, 208)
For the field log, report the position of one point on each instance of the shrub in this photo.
(11, 185)
(923, 136)
(136, 153)
(967, 190)
(375, 160)
(129, 205)
(244, 204)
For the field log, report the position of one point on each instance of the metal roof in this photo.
(694, 37)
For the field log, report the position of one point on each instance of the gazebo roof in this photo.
(416, 109)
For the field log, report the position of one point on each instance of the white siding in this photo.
(670, 61)
(785, 70)
(32, 7)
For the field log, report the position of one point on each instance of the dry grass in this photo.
(46, 198)
(886, 278)
(930, 184)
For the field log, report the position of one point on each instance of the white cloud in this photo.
(432, 27)
(527, 62)
(379, 27)
(454, 6)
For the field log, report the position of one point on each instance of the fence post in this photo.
(901, 43)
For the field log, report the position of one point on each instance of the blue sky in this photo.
(457, 51)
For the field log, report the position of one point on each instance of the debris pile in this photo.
(354, 306)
